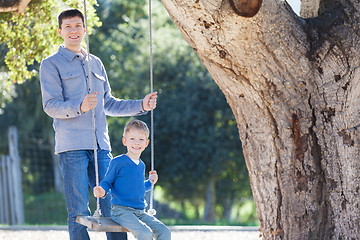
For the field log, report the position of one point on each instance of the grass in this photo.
(50, 209)
(46, 208)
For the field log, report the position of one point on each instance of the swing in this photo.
(98, 222)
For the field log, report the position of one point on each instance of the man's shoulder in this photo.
(95, 58)
(51, 58)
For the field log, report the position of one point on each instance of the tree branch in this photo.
(246, 8)
(18, 6)
(309, 8)
(216, 32)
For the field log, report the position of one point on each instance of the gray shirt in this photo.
(64, 80)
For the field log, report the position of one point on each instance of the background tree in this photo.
(292, 84)
(27, 38)
(205, 134)
(195, 130)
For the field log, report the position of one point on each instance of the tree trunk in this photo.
(292, 84)
(209, 211)
(309, 8)
(228, 204)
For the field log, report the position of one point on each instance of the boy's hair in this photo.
(69, 13)
(138, 125)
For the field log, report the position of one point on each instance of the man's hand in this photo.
(149, 101)
(153, 177)
(89, 102)
(99, 192)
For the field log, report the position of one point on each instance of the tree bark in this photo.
(9, 6)
(309, 8)
(292, 84)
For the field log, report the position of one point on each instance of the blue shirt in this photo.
(64, 80)
(127, 182)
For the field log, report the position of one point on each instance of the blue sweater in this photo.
(127, 182)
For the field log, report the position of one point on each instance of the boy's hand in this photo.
(89, 102)
(149, 101)
(153, 177)
(99, 192)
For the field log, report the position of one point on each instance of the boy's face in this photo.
(72, 31)
(136, 141)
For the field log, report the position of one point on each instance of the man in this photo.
(66, 97)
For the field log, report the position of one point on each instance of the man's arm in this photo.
(149, 101)
(53, 100)
(119, 107)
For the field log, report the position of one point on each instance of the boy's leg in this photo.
(74, 166)
(104, 158)
(128, 218)
(161, 231)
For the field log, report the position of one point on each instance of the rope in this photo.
(151, 211)
(97, 212)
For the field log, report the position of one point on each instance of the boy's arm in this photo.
(153, 178)
(99, 192)
(110, 176)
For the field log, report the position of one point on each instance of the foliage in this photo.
(195, 131)
(25, 39)
(46, 208)
(50, 208)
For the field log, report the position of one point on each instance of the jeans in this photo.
(78, 170)
(141, 225)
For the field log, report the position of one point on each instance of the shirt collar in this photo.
(69, 55)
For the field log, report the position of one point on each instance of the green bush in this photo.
(46, 208)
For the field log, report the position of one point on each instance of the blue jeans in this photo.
(78, 169)
(141, 225)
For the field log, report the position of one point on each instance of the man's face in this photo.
(72, 31)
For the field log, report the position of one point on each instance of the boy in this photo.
(125, 178)
(66, 97)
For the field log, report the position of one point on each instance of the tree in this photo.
(195, 143)
(291, 83)
(26, 38)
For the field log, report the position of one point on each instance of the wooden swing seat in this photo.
(103, 224)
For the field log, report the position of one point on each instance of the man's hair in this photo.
(138, 125)
(69, 13)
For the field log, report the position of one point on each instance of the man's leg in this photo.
(104, 158)
(74, 166)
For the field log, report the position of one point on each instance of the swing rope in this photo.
(151, 211)
(97, 212)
